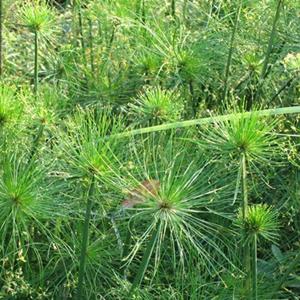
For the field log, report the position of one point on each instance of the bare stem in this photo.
(269, 50)
(91, 42)
(244, 184)
(229, 59)
(1, 37)
(254, 266)
(173, 8)
(246, 249)
(85, 235)
(36, 63)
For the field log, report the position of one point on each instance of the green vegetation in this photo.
(149, 149)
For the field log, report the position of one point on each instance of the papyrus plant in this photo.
(171, 202)
(86, 151)
(39, 18)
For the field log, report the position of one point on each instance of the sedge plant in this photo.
(86, 151)
(246, 143)
(39, 18)
(259, 223)
(156, 106)
(171, 202)
(29, 207)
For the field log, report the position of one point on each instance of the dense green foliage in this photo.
(143, 154)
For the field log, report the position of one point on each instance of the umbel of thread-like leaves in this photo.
(155, 106)
(260, 221)
(248, 135)
(37, 16)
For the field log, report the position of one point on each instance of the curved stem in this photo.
(210, 120)
(85, 234)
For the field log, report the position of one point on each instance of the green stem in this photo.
(91, 39)
(173, 8)
(145, 261)
(209, 120)
(35, 142)
(143, 13)
(254, 266)
(246, 248)
(80, 23)
(287, 84)
(1, 37)
(269, 49)
(184, 6)
(271, 40)
(35, 63)
(231, 48)
(244, 184)
(111, 40)
(85, 235)
(126, 250)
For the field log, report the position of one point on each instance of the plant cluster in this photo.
(149, 149)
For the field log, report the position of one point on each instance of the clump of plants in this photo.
(128, 169)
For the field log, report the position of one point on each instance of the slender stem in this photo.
(244, 184)
(271, 40)
(35, 63)
(246, 248)
(254, 266)
(1, 37)
(269, 50)
(80, 23)
(91, 42)
(184, 9)
(210, 120)
(126, 247)
(112, 37)
(36, 141)
(85, 234)
(284, 86)
(195, 103)
(173, 8)
(143, 13)
(231, 48)
(145, 261)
